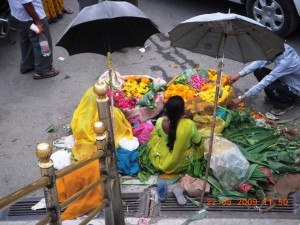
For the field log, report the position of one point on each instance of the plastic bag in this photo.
(61, 159)
(127, 162)
(152, 105)
(142, 132)
(193, 186)
(228, 164)
(117, 79)
(129, 144)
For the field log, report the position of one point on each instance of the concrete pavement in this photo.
(177, 221)
(29, 107)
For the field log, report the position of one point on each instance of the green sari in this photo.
(184, 147)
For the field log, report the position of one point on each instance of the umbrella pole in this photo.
(212, 130)
(115, 195)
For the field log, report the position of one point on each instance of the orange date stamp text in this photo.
(247, 202)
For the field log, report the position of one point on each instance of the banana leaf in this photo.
(281, 168)
(203, 73)
(223, 192)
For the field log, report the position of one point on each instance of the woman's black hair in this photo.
(174, 110)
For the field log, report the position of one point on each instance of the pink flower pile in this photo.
(197, 81)
(121, 101)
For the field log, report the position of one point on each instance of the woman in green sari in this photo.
(174, 140)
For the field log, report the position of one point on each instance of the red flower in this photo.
(245, 187)
(268, 172)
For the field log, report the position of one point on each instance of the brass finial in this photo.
(99, 128)
(100, 88)
(43, 152)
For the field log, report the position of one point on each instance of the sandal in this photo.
(162, 191)
(178, 192)
(142, 221)
(37, 75)
(279, 112)
(67, 11)
(59, 143)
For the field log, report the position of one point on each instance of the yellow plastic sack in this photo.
(203, 123)
(84, 117)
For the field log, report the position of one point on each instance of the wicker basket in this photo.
(200, 106)
(144, 113)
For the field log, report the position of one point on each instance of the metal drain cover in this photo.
(233, 209)
(133, 206)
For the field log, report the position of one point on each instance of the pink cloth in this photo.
(144, 113)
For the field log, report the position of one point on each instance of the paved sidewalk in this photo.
(177, 221)
(29, 107)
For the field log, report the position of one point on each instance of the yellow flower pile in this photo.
(136, 86)
(208, 91)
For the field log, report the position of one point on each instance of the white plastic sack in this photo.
(61, 159)
(128, 144)
(228, 164)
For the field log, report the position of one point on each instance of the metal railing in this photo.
(111, 202)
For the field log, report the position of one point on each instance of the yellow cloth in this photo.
(184, 148)
(73, 183)
(53, 8)
(84, 117)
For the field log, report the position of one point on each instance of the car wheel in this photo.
(279, 16)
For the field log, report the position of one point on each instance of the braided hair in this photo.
(174, 111)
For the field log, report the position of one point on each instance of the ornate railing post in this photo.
(43, 152)
(101, 141)
(106, 115)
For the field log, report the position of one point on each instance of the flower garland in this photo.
(136, 87)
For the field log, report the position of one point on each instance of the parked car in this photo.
(281, 16)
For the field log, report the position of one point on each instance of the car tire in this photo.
(286, 8)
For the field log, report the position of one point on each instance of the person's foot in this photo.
(60, 16)
(37, 75)
(52, 20)
(68, 10)
(281, 111)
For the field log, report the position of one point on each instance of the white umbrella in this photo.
(230, 36)
(227, 35)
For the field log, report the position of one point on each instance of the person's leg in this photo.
(59, 8)
(41, 63)
(50, 10)
(280, 95)
(261, 73)
(27, 56)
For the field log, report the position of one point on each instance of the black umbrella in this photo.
(106, 27)
(103, 29)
